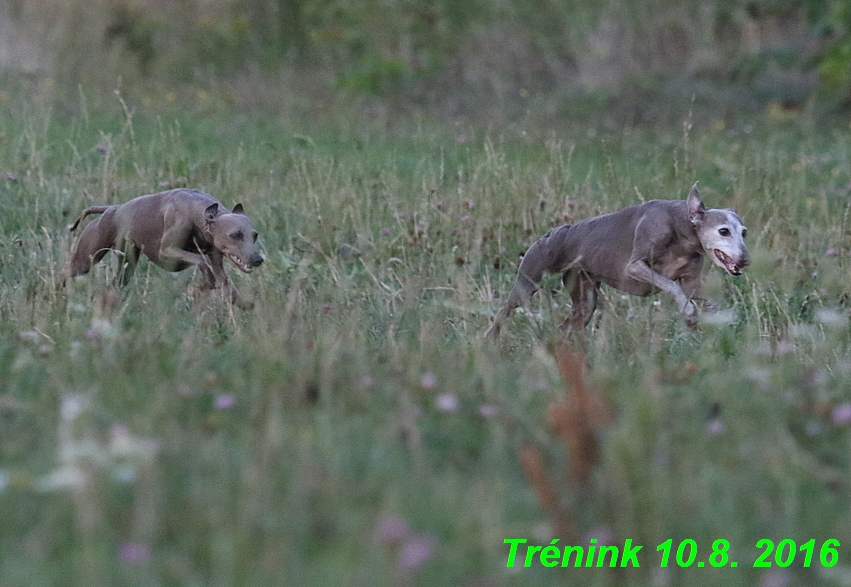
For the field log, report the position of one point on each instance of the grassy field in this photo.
(354, 428)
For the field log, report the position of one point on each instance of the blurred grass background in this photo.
(397, 158)
(467, 60)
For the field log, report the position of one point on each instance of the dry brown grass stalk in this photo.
(533, 468)
(578, 418)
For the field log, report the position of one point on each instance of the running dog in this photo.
(640, 250)
(175, 230)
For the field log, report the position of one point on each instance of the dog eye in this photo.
(255, 237)
(744, 232)
(237, 236)
(724, 231)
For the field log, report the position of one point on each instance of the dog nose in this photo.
(255, 260)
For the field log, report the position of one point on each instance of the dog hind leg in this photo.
(127, 263)
(96, 240)
(583, 292)
(537, 260)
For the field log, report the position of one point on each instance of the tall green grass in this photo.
(355, 418)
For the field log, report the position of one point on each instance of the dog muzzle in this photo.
(730, 265)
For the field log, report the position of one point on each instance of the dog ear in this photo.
(238, 209)
(695, 204)
(210, 212)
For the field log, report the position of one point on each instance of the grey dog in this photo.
(640, 250)
(175, 230)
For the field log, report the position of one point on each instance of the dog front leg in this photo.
(221, 279)
(208, 280)
(173, 256)
(584, 291)
(641, 271)
(214, 276)
(212, 271)
(220, 276)
(693, 287)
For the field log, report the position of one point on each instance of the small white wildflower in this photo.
(800, 330)
(447, 402)
(29, 337)
(786, 347)
(488, 411)
(124, 474)
(831, 318)
(842, 414)
(715, 427)
(22, 361)
(759, 375)
(428, 380)
(123, 445)
(88, 450)
(102, 328)
(719, 318)
(72, 406)
(63, 478)
(821, 378)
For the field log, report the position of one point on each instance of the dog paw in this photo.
(492, 333)
(689, 311)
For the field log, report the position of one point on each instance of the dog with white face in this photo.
(723, 233)
(640, 250)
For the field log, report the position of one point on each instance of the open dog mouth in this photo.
(730, 266)
(241, 265)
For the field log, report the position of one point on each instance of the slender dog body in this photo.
(656, 246)
(175, 230)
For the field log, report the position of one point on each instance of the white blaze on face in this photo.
(722, 236)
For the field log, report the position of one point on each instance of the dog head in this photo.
(721, 233)
(234, 236)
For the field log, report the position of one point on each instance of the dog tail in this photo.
(86, 212)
